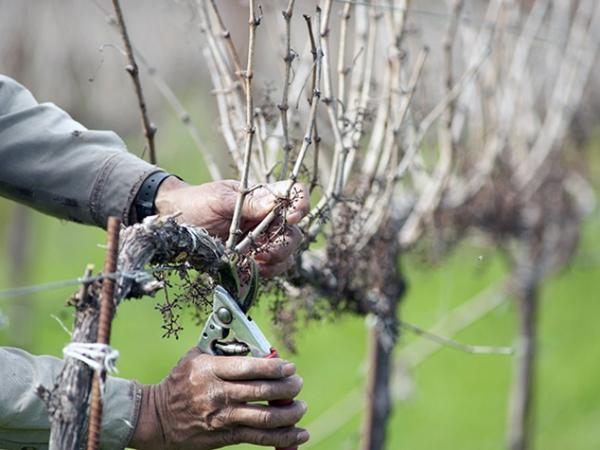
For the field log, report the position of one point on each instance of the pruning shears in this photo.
(228, 320)
(228, 317)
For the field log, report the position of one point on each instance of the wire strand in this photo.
(444, 16)
(449, 342)
(22, 291)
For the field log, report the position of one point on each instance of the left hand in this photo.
(211, 206)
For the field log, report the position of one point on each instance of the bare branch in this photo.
(234, 231)
(507, 113)
(229, 102)
(132, 69)
(431, 195)
(261, 161)
(226, 34)
(584, 43)
(358, 97)
(308, 134)
(342, 70)
(173, 101)
(284, 105)
(227, 129)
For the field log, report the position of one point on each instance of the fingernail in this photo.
(260, 257)
(303, 436)
(288, 369)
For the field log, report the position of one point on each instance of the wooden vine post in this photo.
(157, 240)
(389, 285)
(67, 402)
(69, 399)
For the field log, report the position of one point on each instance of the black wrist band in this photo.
(144, 200)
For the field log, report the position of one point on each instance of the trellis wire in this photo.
(138, 275)
(443, 16)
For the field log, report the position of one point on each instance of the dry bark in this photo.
(390, 288)
(161, 240)
(67, 402)
(520, 413)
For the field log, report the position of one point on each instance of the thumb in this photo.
(262, 200)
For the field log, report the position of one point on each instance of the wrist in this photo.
(148, 433)
(145, 200)
(163, 202)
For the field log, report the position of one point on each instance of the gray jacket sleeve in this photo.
(54, 164)
(23, 417)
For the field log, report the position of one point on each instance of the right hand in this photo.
(207, 402)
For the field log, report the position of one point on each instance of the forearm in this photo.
(23, 416)
(54, 164)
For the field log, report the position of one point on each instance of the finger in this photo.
(285, 437)
(281, 247)
(262, 200)
(259, 391)
(268, 417)
(299, 204)
(272, 270)
(234, 368)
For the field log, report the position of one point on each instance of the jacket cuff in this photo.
(121, 410)
(116, 186)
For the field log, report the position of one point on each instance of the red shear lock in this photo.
(226, 317)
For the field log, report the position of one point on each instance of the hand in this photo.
(205, 403)
(211, 206)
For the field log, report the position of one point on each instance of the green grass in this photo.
(457, 401)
